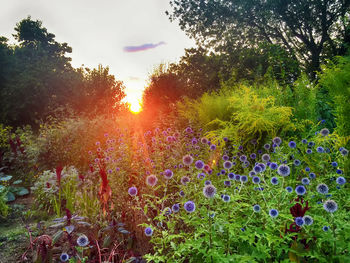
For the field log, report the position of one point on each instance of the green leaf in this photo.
(17, 182)
(10, 197)
(6, 178)
(56, 236)
(22, 191)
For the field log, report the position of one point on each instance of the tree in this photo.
(311, 30)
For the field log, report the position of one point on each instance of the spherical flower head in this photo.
(305, 181)
(226, 198)
(324, 132)
(334, 164)
(225, 139)
(167, 211)
(209, 191)
(322, 189)
(320, 149)
(273, 213)
(274, 181)
(244, 179)
(253, 156)
(243, 158)
(185, 180)
(339, 171)
(182, 193)
(289, 189)
(300, 190)
(83, 241)
(256, 208)
(148, 231)
(64, 257)
(223, 171)
(190, 206)
(168, 174)
(188, 130)
(260, 151)
(267, 146)
(227, 165)
(283, 170)
(307, 169)
(265, 157)
(237, 177)
(292, 144)
(309, 151)
(225, 158)
(132, 191)
(194, 141)
(187, 160)
(304, 141)
(151, 180)
(213, 147)
(277, 140)
(341, 180)
(330, 206)
(262, 166)
(297, 162)
(256, 179)
(208, 182)
(231, 176)
(344, 152)
(175, 208)
(257, 169)
(204, 140)
(308, 220)
(201, 176)
(325, 228)
(312, 175)
(299, 221)
(273, 166)
(252, 173)
(227, 183)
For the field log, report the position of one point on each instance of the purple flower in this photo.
(283, 170)
(227, 165)
(190, 206)
(151, 180)
(168, 174)
(185, 180)
(209, 191)
(330, 206)
(132, 191)
(148, 231)
(187, 160)
(82, 241)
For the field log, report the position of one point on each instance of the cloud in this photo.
(142, 47)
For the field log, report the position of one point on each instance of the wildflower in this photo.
(283, 170)
(309, 151)
(325, 228)
(299, 221)
(305, 181)
(273, 213)
(320, 149)
(341, 180)
(231, 176)
(304, 141)
(222, 171)
(190, 206)
(148, 231)
(175, 208)
(334, 164)
(237, 177)
(181, 193)
(189, 130)
(227, 165)
(64, 257)
(300, 190)
(213, 147)
(265, 157)
(167, 211)
(277, 141)
(330, 206)
(185, 180)
(82, 241)
(324, 132)
(311, 144)
(227, 183)
(260, 151)
(308, 220)
(307, 169)
(289, 189)
(267, 146)
(243, 158)
(244, 179)
(257, 169)
(151, 180)
(187, 160)
(225, 139)
(207, 182)
(256, 179)
(297, 162)
(253, 156)
(322, 189)
(344, 152)
(274, 181)
(339, 171)
(204, 140)
(256, 208)
(262, 166)
(168, 174)
(201, 176)
(312, 175)
(292, 144)
(252, 173)
(132, 191)
(209, 191)
(226, 198)
(273, 166)
(225, 157)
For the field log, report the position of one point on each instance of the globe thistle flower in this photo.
(226, 198)
(334, 164)
(256, 179)
(311, 144)
(260, 151)
(265, 157)
(240, 147)
(262, 166)
(244, 179)
(206, 167)
(148, 231)
(227, 165)
(274, 180)
(277, 140)
(243, 158)
(283, 170)
(344, 152)
(320, 149)
(213, 147)
(168, 174)
(299, 221)
(209, 191)
(330, 206)
(222, 171)
(237, 177)
(289, 189)
(207, 182)
(253, 156)
(325, 228)
(83, 241)
(300, 190)
(297, 162)
(151, 180)
(189, 130)
(322, 189)
(64, 257)
(190, 206)
(175, 208)
(227, 183)
(194, 141)
(225, 158)
(185, 180)
(341, 180)
(267, 146)
(339, 171)
(324, 132)
(201, 176)
(187, 160)
(312, 175)
(309, 151)
(252, 173)
(132, 191)
(308, 220)
(273, 213)
(256, 208)
(181, 193)
(307, 169)
(204, 140)
(257, 169)
(225, 139)
(305, 181)
(292, 144)
(304, 141)
(273, 166)
(231, 176)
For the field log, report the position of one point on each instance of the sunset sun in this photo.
(134, 90)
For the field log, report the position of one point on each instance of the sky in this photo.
(130, 36)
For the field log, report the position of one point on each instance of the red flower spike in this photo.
(59, 174)
(69, 216)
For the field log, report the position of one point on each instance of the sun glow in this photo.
(134, 90)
